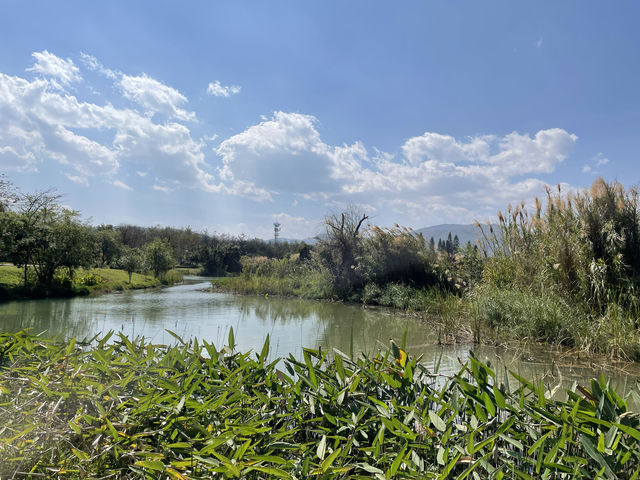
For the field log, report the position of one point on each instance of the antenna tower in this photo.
(276, 232)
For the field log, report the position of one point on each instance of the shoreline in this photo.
(86, 283)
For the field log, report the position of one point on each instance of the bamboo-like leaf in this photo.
(437, 421)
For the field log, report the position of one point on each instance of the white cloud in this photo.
(84, 181)
(285, 154)
(92, 63)
(161, 188)
(119, 184)
(432, 176)
(539, 43)
(87, 156)
(42, 122)
(593, 166)
(295, 226)
(218, 90)
(155, 96)
(600, 159)
(49, 65)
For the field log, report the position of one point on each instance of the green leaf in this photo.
(322, 447)
(369, 468)
(232, 341)
(437, 421)
(398, 460)
(329, 460)
(265, 350)
(151, 464)
(79, 453)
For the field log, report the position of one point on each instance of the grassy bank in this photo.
(310, 287)
(483, 314)
(566, 273)
(85, 282)
(129, 409)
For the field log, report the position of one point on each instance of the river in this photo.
(190, 310)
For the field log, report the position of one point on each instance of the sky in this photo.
(227, 116)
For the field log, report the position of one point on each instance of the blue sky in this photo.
(227, 116)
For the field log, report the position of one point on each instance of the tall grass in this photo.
(570, 271)
(285, 276)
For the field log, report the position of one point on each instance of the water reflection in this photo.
(190, 310)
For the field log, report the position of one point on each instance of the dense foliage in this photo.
(570, 272)
(130, 409)
(50, 243)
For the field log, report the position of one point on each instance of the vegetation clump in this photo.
(568, 273)
(124, 408)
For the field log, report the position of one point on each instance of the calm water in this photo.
(191, 311)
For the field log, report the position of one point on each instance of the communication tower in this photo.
(276, 232)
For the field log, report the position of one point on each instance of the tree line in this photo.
(50, 242)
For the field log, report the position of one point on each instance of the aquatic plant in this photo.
(121, 408)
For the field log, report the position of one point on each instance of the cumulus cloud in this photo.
(42, 122)
(430, 178)
(49, 65)
(155, 96)
(285, 153)
(218, 90)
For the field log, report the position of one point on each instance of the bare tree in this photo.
(341, 246)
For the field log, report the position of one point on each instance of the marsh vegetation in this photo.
(566, 272)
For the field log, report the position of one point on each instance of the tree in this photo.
(73, 245)
(304, 252)
(43, 235)
(341, 247)
(130, 260)
(432, 244)
(26, 234)
(448, 246)
(109, 246)
(158, 257)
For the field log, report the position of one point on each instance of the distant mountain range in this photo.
(466, 233)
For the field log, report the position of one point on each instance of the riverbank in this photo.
(125, 408)
(93, 281)
(485, 314)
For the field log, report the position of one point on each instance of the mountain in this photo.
(466, 233)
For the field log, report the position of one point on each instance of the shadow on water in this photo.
(190, 310)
